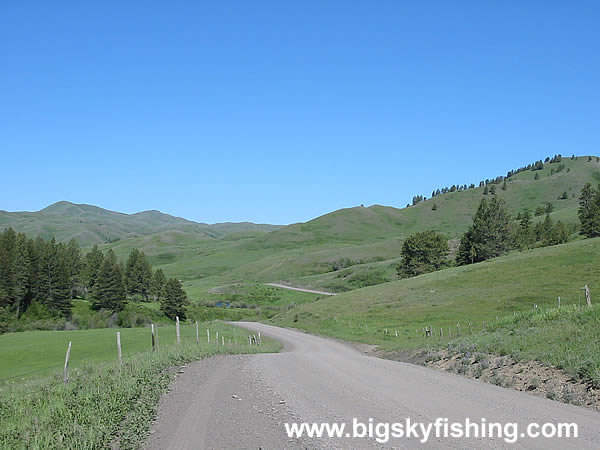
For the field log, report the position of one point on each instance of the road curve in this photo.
(243, 401)
(292, 288)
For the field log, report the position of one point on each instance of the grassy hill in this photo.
(90, 225)
(475, 293)
(363, 241)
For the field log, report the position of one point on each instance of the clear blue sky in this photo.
(282, 111)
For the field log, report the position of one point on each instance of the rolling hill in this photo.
(90, 225)
(346, 249)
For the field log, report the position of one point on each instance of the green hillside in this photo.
(90, 225)
(346, 249)
(475, 293)
(360, 238)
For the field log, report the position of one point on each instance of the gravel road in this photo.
(243, 401)
(292, 288)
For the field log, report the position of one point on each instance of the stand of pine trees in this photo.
(51, 274)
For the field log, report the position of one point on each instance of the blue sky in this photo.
(282, 111)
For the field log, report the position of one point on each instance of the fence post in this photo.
(223, 340)
(197, 335)
(470, 329)
(588, 297)
(156, 335)
(457, 329)
(119, 347)
(177, 329)
(217, 338)
(66, 369)
(208, 335)
(153, 338)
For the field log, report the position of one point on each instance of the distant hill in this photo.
(90, 225)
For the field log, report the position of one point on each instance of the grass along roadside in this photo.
(106, 404)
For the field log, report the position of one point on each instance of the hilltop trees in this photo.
(423, 252)
(175, 299)
(589, 211)
(490, 234)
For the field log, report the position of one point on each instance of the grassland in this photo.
(476, 293)
(305, 253)
(104, 404)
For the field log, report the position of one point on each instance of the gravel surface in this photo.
(243, 401)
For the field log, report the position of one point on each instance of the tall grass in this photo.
(102, 405)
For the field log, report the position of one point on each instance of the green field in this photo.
(33, 354)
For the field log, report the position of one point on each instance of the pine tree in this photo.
(174, 300)
(158, 284)
(55, 286)
(109, 289)
(73, 265)
(490, 234)
(91, 267)
(504, 185)
(493, 190)
(138, 274)
(589, 211)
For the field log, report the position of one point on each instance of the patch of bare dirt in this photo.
(527, 376)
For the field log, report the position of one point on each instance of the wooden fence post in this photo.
(470, 329)
(217, 338)
(197, 335)
(223, 340)
(457, 329)
(119, 347)
(208, 335)
(588, 297)
(153, 338)
(66, 369)
(177, 329)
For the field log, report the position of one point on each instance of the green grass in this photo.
(103, 405)
(476, 293)
(38, 353)
(566, 338)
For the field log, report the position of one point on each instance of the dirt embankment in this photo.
(527, 376)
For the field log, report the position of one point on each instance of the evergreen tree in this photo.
(493, 190)
(434, 207)
(109, 289)
(543, 230)
(91, 267)
(504, 185)
(537, 176)
(589, 211)
(175, 299)
(485, 190)
(55, 286)
(490, 234)
(560, 234)
(423, 252)
(138, 274)
(158, 284)
(73, 265)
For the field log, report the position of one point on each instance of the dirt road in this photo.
(243, 401)
(312, 291)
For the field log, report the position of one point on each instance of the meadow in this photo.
(104, 404)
